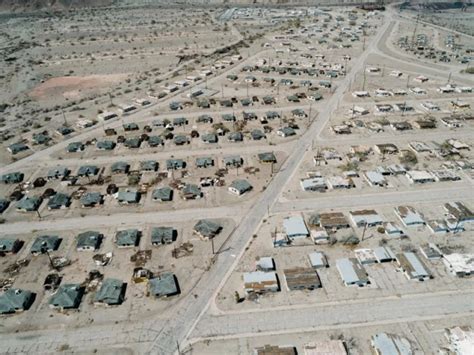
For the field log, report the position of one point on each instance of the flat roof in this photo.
(295, 226)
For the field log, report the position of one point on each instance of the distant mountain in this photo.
(30, 5)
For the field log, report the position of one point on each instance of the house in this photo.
(16, 148)
(234, 161)
(207, 229)
(412, 266)
(260, 282)
(318, 260)
(180, 121)
(365, 218)
(420, 176)
(75, 147)
(12, 178)
(437, 226)
(45, 243)
(64, 131)
(105, 116)
(461, 340)
(91, 199)
(163, 194)
(204, 119)
(389, 344)
(133, 142)
(16, 300)
(175, 164)
(267, 158)
(127, 238)
(10, 245)
(275, 350)
(235, 137)
(295, 227)
(374, 178)
(286, 132)
(163, 235)
(89, 240)
(155, 141)
(88, 170)
(314, 184)
(68, 296)
(459, 211)
(204, 162)
(424, 124)
(409, 216)
(239, 187)
(191, 192)
(431, 251)
(110, 293)
(365, 256)
(386, 148)
(209, 138)
(129, 196)
(29, 203)
(325, 347)
(271, 115)
(301, 278)
(257, 134)
(120, 167)
(384, 254)
(341, 129)
(265, 264)
(298, 113)
(333, 220)
(41, 138)
(149, 165)
(393, 230)
(460, 265)
(340, 182)
(319, 235)
(401, 126)
(228, 117)
(358, 111)
(352, 272)
(59, 201)
(268, 100)
(164, 285)
(180, 139)
(59, 172)
(105, 145)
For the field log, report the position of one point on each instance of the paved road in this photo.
(366, 312)
(385, 198)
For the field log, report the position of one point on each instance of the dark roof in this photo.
(164, 285)
(207, 228)
(67, 296)
(47, 242)
(111, 292)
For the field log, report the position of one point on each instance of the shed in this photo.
(88, 170)
(29, 204)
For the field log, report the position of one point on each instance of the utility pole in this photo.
(363, 232)
(408, 80)
(363, 82)
(449, 77)
(212, 246)
(64, 117)
(414, 31)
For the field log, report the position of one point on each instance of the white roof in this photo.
(295, 226)
(259, 276)
(387, 344)
(317, 259)
(420, 175)
(460, 263)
